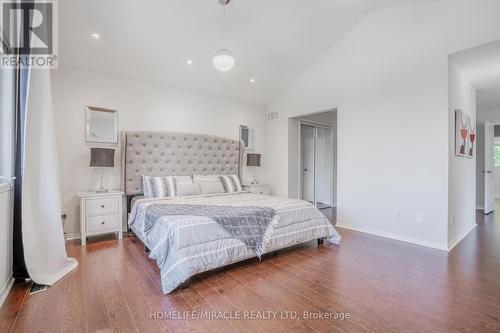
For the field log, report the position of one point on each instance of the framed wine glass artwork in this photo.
(465, 135)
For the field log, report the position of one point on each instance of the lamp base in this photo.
(254, 177)
(101, 187)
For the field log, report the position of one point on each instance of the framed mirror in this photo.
(101, 125)
(247, 136)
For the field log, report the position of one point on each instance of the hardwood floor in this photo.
(385, 286)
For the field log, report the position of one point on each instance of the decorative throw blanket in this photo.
(250, 224)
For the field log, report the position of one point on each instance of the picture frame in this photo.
(465, 135)
(101, 125)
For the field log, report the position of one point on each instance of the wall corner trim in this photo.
(457, 240)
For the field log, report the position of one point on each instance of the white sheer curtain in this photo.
(43, 237)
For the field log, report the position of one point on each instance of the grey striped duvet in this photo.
(184, 246)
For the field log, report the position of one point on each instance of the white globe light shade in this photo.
(223, 60)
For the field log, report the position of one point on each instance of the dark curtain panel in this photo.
(19, 265)
(19, 268)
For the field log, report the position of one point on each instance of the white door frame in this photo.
(487, 209)
(315, 125)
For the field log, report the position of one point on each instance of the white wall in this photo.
(462, 186)
(141, 106)
(388, 78)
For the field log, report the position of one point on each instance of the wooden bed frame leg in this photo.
(321, 241)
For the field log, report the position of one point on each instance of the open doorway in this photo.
(475, 91)
(313, 158)
(490, 154)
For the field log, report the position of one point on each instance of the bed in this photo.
(184, 245)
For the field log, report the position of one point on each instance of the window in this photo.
(497, 156)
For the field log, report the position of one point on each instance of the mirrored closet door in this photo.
(316, 164)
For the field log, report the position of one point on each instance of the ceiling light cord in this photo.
(224, 27)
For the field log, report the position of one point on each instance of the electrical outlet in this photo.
(64, 216)
(398, 213)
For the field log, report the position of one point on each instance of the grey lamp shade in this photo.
(253, 160)
(102, 157)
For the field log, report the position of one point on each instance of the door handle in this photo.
(305, 170)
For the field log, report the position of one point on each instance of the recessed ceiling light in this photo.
(95, 36)
(189, 62)
(252, 80)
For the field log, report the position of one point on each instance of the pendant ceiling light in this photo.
(223, 59)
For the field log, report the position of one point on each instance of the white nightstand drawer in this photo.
(101, 206)
(96, 224)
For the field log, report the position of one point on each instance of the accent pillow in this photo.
(163, 187)
(232, 183)
(185, 189)
(147, 186)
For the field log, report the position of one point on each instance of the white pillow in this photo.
(183, 179)
(232, 183)
(209, 184)
(211, 187)
(206, 178)
(187, 189)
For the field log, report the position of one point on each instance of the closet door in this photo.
(489, 175)
(323, 167)
(307, 163)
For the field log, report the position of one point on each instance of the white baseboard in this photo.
(457, 240)
(6, 289)
(72, 236)
(434, 245)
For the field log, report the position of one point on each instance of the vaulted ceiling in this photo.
(274, 41)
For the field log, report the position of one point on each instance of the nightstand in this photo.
(258, 188)
(100, 213)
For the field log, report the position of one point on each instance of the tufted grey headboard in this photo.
(175, 154)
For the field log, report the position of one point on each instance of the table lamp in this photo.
(102, 158)
(253, 160)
